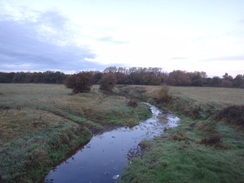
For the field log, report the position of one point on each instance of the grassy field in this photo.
(204, 95)
(221, 96)
(205, 147)
(40, 124)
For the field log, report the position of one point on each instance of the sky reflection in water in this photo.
(106, 155)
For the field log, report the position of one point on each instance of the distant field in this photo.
(220, 96)
(224, 96)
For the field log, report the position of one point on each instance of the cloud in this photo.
(226, 58)
(41, 44)
(53, 19)
(178, 58)
(111, 40)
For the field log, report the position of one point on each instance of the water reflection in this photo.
(105, 156)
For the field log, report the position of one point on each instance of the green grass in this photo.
(41, 123)
(200, 149)
(203, 95)
(180, 157)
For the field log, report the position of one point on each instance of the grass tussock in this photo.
(41, 123)
(163, 95)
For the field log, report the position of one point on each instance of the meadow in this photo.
(41, 123)
(208, 144)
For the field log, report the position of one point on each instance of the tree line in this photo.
(131, 76)
(33, 77)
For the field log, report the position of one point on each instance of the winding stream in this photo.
(106, 155)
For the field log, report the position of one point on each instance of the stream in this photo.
(106, 155)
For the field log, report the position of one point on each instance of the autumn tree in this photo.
(179, 78)
(216, 81)
(239, 81)
(108, 82)
(80, 82)
(227, 80)
(122, 78)
(197, 78)
(97, 76)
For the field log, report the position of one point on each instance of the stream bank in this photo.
(106, 155)
(42, 123)
(203, 148)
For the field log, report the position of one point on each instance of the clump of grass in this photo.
(211, 141)
(180, 136)
(145, 144)
(132, 103)
(131, 122)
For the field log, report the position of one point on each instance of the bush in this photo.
(80, 82)
(211, 141)
(232, 114)
(132, 103)
(163, 94)
(108, 82)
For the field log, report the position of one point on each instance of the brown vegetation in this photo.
(80, 82)
(134, 76)
(232, 114)
(108, 82)
(213, 140)
(163, 94)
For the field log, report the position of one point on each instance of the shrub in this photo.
(80, 82)
(132, 103)
(213, 140)
(108, 82)
(163, 94)
(232, 114)
(180, 136)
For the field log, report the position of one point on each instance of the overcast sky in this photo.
(73, 35)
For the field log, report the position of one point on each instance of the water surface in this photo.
(106, 155)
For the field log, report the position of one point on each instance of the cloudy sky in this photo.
(73, 35)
